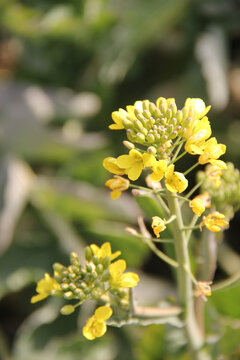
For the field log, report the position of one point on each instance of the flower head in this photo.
(200, 133)
(158, 225)
(158, 170)
(200, 203)
(117, 185)
(175, 181)
(95, 326)
(135, 162)
(214, 221)
(44, 288)
(203, 289)
(211, 152)
(120, 280)
(110, 164)
(104, 251)
(198, 107)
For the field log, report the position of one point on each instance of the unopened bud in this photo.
(74, 259)
(131, 231)
(140, 138)
(128, 145)
(105, 277)
(106, 262)
(67, 310)
(99, 269)
(88, 253)
(95, 260)
(152, 150)
(68, 295)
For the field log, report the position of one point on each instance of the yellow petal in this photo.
(117, 268)
(102, 313)
(115, 194)
(38, 297)
(135, 171)
(125, 161)
(110, 164)
(129, 280)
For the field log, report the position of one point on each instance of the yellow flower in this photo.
(158, 170)
(44, 288)
(214, 221)
(197, 206)
(135, 162)
(201, 132)
(104, 251)
(110, 164)
(175, 181)
(158, 225)
(214, 174)
(117, 117)
(211, 152)
(117, 185)
(198, 107)
(95, 326)
(120, 280)
(203, 289)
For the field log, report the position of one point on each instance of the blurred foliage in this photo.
(64, 66)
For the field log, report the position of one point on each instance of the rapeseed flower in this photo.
(117, 277)
(158, 170)
(211, 152)
(117, 185)
(44, 288)
(110, 164)
(175, 181)
(158, 225)
(104, 251)
(95, 326)
(135, 162)
(214, 221)
(203, 289)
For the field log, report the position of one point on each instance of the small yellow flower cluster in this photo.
(156, 126)
(99, 279)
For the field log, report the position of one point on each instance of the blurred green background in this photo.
(64, 67)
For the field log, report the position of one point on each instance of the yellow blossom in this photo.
(120, 280)
(95, 326)
(44, 288)
(214, 174)
(117, 117)
(104, 251)
(214, 221)
(175, 181)
(211, 152)
(203, 289)
(197, 206)
(158, 170)
(198, 107)
(117, 185)
(158, 225)
(200, 133)
(110, 164)
(135, 162)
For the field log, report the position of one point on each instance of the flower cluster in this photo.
(156, 133)
(223, 187)
(99, 279)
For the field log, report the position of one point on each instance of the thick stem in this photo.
(185, 290)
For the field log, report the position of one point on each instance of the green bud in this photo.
(147, 114)
(185, 112)
(128, 124)
(94, 275)
(131, 135)
(97, 283)
(72, 286)
(137, 124)
(72, 276)
(152, 150)
(88, 253)
(169, 114)
(64, 287)
(89, 268)
(99, 269)
(152, 108)
(58, 267)
(140, 138)
(140, 117)
(83, 285)
(144, 131)
(68, 295)
(95, 294)
(74, 260)
(145, 104)
(105, 277)
(128, 145)
(173, 107)
(106, 262)
(179, 116)
(95, 260)
(67, 310)
(150, 138)
(87, 291)
(163, 106)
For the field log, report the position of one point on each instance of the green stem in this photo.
(163, 204)
(185, 290)
(231, 281)
(192, 227)
(177, 158)
(159, 253)
(194, 189)
(190, 169)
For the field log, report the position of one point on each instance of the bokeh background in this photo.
(65, 65)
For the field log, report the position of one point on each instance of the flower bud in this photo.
(88, 253)
(95, 260)
(105, 277)
(106, 262)
(152, 150)
(99, 269)
(67, 310)
(68, 295)
(74, 259)
(128, 145)
(140, 138)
